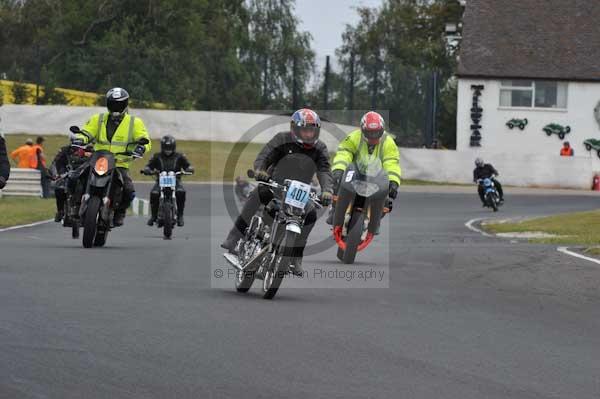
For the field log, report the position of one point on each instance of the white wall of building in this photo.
(523, 170)
(497, 137)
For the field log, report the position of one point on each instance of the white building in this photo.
(536, 62)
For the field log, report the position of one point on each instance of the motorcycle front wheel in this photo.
(167, 220)
(355, 230)
(279, 266)
(90, 222)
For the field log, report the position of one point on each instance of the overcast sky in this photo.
(326, 21)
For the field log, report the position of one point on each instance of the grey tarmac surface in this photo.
(465, 316)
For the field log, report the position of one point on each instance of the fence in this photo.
(23, 182)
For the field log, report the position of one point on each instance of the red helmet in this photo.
(372, 127)
(305, 127)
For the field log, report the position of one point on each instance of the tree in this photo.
(20, 93)
(394, 50)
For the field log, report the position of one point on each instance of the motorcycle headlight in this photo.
(365, 189)
(101, 166)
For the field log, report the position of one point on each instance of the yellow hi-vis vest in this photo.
(131, 129)
(354, 148)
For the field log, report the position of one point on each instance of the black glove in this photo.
(326, 198)
(262, 175)
(190, 170)
(139, 150)
(2, 182)
(393, 193)
(146, 171)
(337, 176)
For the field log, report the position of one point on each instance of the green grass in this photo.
(580, 228)
(209, 158)
(23, 210)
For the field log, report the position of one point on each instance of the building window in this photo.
(533, 94)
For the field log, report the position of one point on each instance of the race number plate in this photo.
(167, 181)
(298, 194)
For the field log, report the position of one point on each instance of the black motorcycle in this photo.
(361, 203)
(103, 191)
(68, 182)
(167, 208)
(265, 251)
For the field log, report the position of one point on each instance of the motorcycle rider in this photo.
(68, 158)
(167, 160)
(369, 141)
(483, 171)
(296, 154)
(112, 132)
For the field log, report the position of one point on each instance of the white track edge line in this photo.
(565, 250)
(22, 226)
(469, 225)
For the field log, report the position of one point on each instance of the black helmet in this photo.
(117, 101)
(168, 145)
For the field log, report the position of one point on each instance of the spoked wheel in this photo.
(493, 202)
(244, 280)
(279, 266)
(91, 221)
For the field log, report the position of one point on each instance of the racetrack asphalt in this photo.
(465, 316)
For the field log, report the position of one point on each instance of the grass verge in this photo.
(23, 210)
(580, 228)
(207, 157)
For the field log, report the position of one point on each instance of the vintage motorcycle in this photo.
(490, 193)
(265, 251)
(167, 208)
(361, 202)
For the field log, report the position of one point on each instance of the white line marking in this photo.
(22, 226)
(565, 250)
(469, 225)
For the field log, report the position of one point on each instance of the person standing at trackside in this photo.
(483, 171)
(4, 163)
(113, 131)
(24, 154)
(39, 160)
(297, 155)
(567, 150)
(167, 160)
(365, 143)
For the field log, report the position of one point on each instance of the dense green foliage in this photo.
(233, 54)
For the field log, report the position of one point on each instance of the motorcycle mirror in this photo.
(250, 173)
(75, 129)
(143, 141)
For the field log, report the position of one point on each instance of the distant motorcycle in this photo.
(490, 193)
(167, 208)
(361, 203)
(265, 251)
(100, 198)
